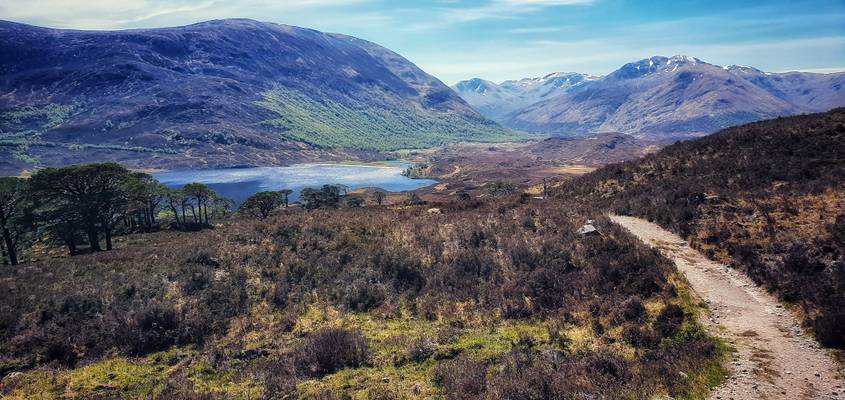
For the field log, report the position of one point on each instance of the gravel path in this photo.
(774, 358)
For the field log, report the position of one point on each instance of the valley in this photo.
(395, 300)
(470, 167)
(235, 209)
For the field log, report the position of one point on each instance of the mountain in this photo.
(490, 99)
(221, 92)
(813, 92)
(495, 101)
(674, 97)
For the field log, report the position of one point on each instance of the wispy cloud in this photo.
(113, 14)
(816, 70)
(506, 8)
(546, 29)
(599, 56)
(543, 2)
(166, 10)
(491, 10)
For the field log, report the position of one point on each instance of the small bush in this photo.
(640, 337)
(632, 310)
(62, 352)
(461, 379)
(421, 349)
(364, 296)
(830, 328)
(331, 349)
(279, 379)
(669, 321)
(154, 328)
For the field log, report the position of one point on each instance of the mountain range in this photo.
(658, 96)
(218, 93)
(497, 100)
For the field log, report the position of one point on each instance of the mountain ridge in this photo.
(670, 96)
(496, 101)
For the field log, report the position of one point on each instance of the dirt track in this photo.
(774, 358)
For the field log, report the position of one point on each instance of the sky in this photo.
(510, 39)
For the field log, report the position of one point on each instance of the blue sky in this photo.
(505, 39)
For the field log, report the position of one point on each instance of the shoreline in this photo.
(376, 164)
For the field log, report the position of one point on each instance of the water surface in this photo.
(239, 183)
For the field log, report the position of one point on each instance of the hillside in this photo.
(594, 151)
(662, 97)
(472, 167)
(766, 198)
(217, 93)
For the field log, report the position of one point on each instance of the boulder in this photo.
(587, 230)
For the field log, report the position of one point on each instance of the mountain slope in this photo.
(221, 92)
(674, 97)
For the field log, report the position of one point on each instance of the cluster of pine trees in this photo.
(83, 207)
(262, 204)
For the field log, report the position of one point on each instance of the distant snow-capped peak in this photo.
(682, 59)
(655, 64)
(556, 78)
(742, 69)
(476, 85)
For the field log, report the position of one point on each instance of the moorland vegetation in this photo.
(495, 298)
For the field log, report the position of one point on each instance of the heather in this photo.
(487, 299)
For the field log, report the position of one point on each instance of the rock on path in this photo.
(775, 359)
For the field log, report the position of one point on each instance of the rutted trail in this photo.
(774, 359)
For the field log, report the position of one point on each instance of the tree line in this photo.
(262, 204)
(83, 207)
